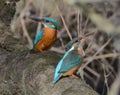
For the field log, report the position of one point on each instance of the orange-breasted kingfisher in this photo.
(71, 60)
(47, 35)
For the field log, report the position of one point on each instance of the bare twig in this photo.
(105, 76)
(68, 32)
(81, 19)
(89, 77)
(86, 22)
(40, 15)
(99, 50)
(93, 72)
(78, 23)
(92, 40)
(58, 50)
(25, 33)
(61, 40)
(103, 56)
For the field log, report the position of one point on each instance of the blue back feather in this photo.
(38, 37)
(71, 60)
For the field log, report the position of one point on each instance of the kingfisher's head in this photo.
(79, 46)
(81, 40)
(47, 22)
(51, 22)
(69, 45)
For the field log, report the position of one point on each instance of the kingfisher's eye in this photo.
(47, 21)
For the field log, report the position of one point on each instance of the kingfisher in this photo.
(71, 61)
(47, 35)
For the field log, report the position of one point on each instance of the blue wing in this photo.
(37, 38)
(71, 60)
(57, 74)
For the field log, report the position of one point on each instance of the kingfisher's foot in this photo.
(74, 76)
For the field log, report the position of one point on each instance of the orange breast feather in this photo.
(48, 39)
(72, 71)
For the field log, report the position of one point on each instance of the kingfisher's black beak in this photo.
(36, 19)
(85, 37)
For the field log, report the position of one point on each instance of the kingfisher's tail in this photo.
(56, 78)
(32, 48)
(57, 73)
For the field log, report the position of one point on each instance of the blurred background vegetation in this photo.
(77, 18)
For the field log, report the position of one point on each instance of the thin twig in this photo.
(86, 22)
(81, 19)
(93, 72)
(78, 23)
(61, 51)
(92, 40)
(25, 32)
(40, 15)
(99, 50)
(105, 76)
(89, 77)
(61, 40)
(68, 32)
(103, 56)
